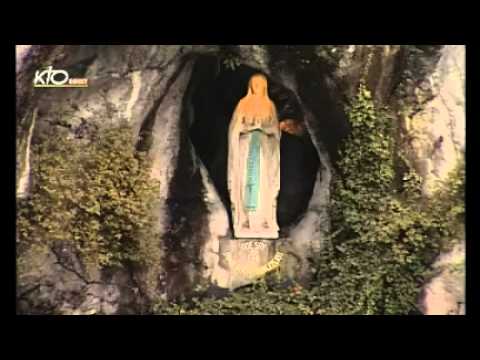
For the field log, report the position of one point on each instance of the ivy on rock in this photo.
(95, 196)
(385, 235)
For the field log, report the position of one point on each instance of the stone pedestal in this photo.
(242, 261)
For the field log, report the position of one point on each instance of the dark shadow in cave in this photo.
(214, 93)
(318, 91)
(323, 100)
(186, 205)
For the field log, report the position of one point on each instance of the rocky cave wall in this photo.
(156, 90)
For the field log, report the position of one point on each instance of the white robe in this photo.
(261, 223)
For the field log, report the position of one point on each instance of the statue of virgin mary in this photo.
(254, 163)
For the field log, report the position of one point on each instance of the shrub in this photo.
(260, 298)
(96, 196)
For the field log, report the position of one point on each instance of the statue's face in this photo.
(258, 85)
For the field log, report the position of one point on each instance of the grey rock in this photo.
(147, 86)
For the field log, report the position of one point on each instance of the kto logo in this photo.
(57, 78)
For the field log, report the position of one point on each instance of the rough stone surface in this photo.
(436, 145)
(146, 86)
(445, 293)
(21, 52)
(437, 132)
(58, 284)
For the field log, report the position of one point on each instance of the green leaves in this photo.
(97, 196)
(257, 299)
(386, 242)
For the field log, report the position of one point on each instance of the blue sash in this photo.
(253, 172)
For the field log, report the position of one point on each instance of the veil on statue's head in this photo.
(262, 80)
(257, 107)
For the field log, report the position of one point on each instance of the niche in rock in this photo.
(209, 102)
